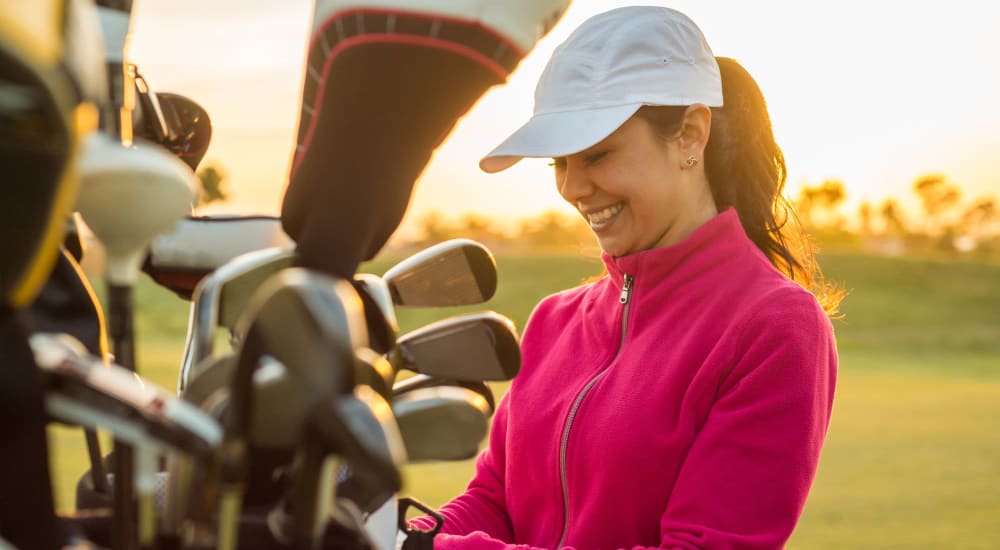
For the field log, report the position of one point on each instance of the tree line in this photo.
(945, 223)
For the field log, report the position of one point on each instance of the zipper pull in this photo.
(626, 289)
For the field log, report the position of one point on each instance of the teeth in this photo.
(597, 218)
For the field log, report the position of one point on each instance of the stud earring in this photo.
(690, 161)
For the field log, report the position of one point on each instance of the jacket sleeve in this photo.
(745, 480)
(482, 507)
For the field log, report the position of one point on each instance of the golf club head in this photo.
(362, 430)
(420, 381)
(190, 128)
(452, 273)
(522, 22)
(197, 246)
(82, 390)
(130, 195)
(379, 312)
(378, 289)
(279, 413)
(220, 299)
(415, 66)
(474, 346)
(174, 121)
(310, 323)
(148, 120)
(442, 423)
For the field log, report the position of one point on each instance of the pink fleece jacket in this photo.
(679, 402)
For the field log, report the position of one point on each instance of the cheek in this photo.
(557, 179)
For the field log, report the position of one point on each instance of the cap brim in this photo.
(558, 135)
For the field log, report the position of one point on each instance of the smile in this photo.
(602, 218)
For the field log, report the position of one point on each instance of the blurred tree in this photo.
(865, 218)
(434, 228)
(892, 217)
(938, 196)
(480, 228)
(981, 219)
(475, 223)
(554, 230)
(817, 205)
(212, 189)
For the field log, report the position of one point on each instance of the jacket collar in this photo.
(708, 246)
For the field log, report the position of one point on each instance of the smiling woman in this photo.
(635, 189)
(687, 393)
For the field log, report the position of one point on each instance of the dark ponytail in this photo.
(746, 170)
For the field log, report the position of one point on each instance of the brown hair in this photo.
(746, 170)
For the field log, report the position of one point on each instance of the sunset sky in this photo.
(873, 93)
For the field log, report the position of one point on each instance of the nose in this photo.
(572, 181)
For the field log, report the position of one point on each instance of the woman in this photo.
(682, 400)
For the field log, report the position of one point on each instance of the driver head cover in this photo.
(609, 67)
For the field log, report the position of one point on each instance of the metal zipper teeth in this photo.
(564, 443)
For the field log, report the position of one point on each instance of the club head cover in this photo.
(385, 83)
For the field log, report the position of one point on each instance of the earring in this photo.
(690, 161)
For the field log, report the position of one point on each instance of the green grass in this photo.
(912, 459)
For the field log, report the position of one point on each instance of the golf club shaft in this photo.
(120, 325)
(125, 534)
(122, 340)
(98, 475)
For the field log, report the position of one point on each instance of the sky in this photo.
(872, 93)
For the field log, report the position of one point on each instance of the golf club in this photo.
(475, 346)
(452, 273)
(442, 423)
(83, 390)
(114, 174)
(221, 298)
(197, 246)
(311, 324)
(190, 125)
(360, 430)
(159, 190)
(419, 381)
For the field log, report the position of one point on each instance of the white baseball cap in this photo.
(612, 65)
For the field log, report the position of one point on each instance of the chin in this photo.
(612, 249)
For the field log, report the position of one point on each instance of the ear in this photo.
(695, 128)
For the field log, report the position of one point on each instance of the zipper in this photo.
(624, 299)
(626, 289)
